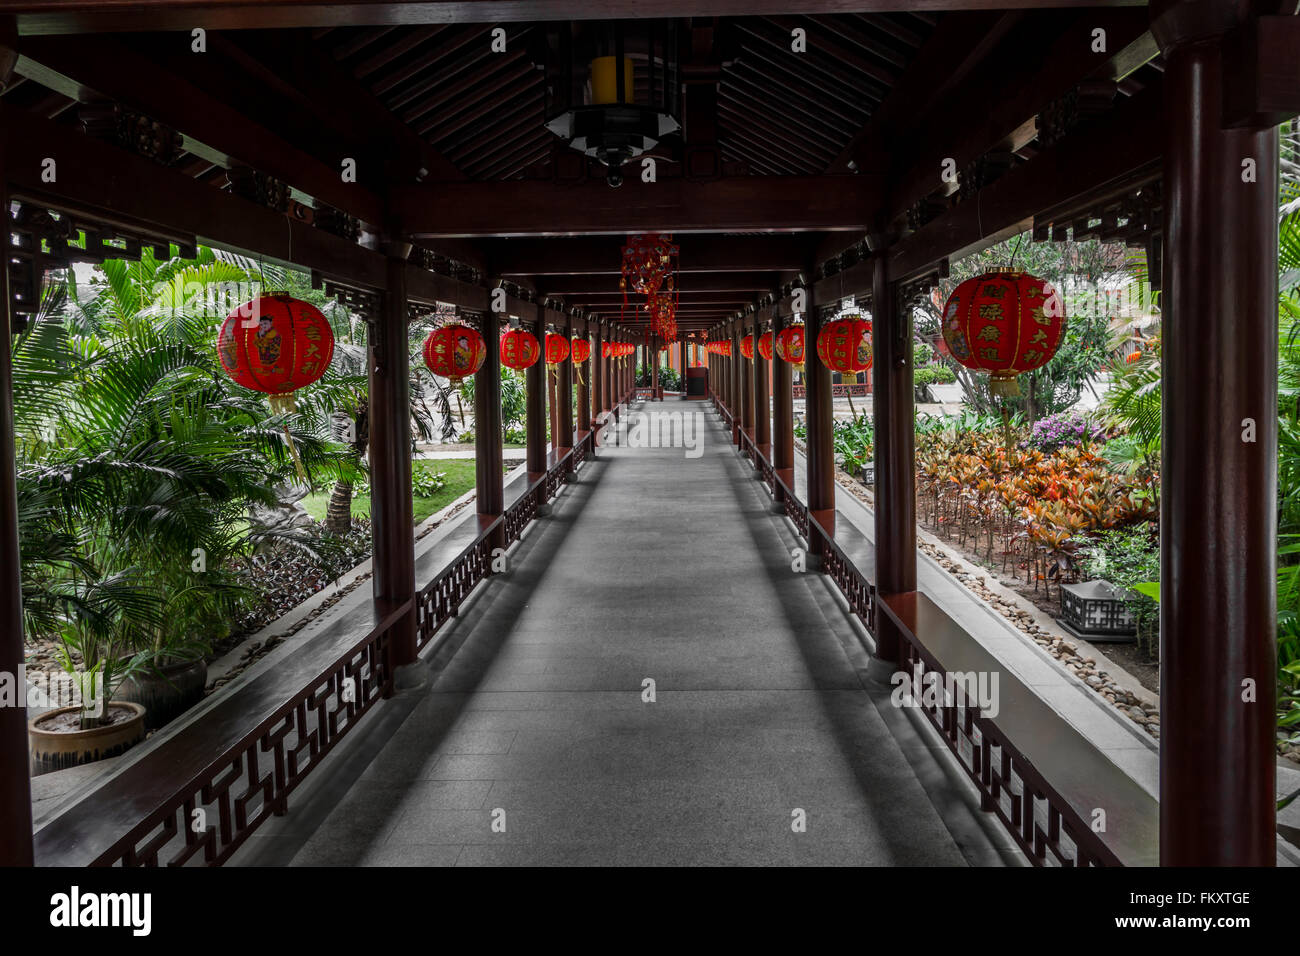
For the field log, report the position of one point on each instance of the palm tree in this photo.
(138, 459)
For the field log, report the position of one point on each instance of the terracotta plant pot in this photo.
(59, 749)
(167, 694)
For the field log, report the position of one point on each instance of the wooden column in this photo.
(782, 411)
(607, 375)
(685, 363)
(15, 766)
(747, 388)
(762, 407)
(392, 522)
(535, 406)
(1219, 460)
(584, 374)
(490, 478)
(597, 371)
(821, 416)
(894, 425)
(736, 388)
(562, 435)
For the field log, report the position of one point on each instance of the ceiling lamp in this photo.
(593, 101)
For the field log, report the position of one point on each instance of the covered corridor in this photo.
(535, 705)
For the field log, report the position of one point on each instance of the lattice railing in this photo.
(212, 815)
(215, 812)
(1042, 822)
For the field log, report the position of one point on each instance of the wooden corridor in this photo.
(535, 704)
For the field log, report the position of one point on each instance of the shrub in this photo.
(1067, 428)
(1126, 557)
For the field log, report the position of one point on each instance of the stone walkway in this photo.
(534, 743)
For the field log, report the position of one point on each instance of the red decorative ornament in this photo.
(648, 259)
(519, 348)
(790, 345)
(275, 344)
(845, 345)
(765, 346)
(747, 346)
(722, 348)
(557, 348)
(581, 350)
(606, 349)
(454, 351)
(1004, 323)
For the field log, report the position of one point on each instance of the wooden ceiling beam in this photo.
(724, 282)
(1124, 147)
(108, 16)
(735, 204)
(87, 66)
(431, 58)
(602, 255)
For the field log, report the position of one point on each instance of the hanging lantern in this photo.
(454, 351)
(557, 348)
(790, 345)
(765, 346)
(275, 344)
(1005, 323)
(593, 100)
(723, 348)
(606, 349)
(519, 349)
(581, 350)
(845, 345)
(747, 346)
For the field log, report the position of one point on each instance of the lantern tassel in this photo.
(1004, 386)
(293, 453)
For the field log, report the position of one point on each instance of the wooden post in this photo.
(584, 377)
(1219, 459)
(762, 407)
(15, 765)
(894, 425)
(562, 433)
(821, 425)
(597, 372)
(737, 388)
(782, 411)
(684, 360)
(747, 387)
(392, 522)
(535, 406)
(490, 479)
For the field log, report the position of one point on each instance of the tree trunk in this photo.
(338, 515)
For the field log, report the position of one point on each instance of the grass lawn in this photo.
(460, 479)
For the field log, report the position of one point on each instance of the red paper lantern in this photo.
(606, 349)
(790, 345)
(845, 345)
(454, 351)
(747, 346)
(765, 346)
(723, 348)
(581, 350)
(1004, 323)
(275, 344)
(519, 348)
(557, 348)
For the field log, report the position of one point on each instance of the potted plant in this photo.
(98, 641)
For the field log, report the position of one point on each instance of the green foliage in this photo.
(854, 442)
(138, 459)
(1129, 558)
(1075, 269)
(669, 379)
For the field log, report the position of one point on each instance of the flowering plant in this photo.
(1065, 429)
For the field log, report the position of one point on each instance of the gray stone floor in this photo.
(653, 566)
